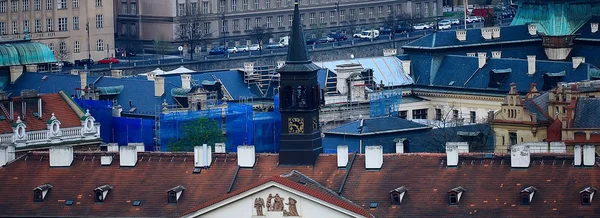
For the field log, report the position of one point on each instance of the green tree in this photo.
(197, 132)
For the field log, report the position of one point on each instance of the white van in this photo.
(284, 41)
(369, 34)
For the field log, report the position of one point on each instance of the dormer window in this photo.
(397, 195)
(586, 195)
(101, 192)
(454, 195)
(174, 194)
(527, 195)
(40, 192)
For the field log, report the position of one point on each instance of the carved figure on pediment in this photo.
(277, 203)
(292, 207)
(269, 205)
(259, 203)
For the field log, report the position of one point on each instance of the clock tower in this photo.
(300, 97)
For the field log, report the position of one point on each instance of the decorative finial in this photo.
(53, 117)
(87, 112)
(19, 119)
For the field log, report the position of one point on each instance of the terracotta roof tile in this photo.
(51, 103)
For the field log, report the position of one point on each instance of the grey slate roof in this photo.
(377, 126)
(586, 113)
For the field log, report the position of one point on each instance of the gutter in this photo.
(472, 45)
(346, 176)
(233, 179)
(380, 132)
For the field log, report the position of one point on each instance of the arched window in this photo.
(99, 196)
(301, 96)
(172, 197)
(525, 198)
(287, 99)
(452, 198)
(37, 196)
(585, 198)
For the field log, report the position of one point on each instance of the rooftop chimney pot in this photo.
(342, 156)
(482, 58)
(373, 157)
(530, 64)
(246, 156)
(128, 156)
(461, 35)
(61, 156)
(519, 156)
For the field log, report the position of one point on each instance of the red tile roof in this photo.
(492, 187)
(51, 103)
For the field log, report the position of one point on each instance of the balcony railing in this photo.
(41, 137)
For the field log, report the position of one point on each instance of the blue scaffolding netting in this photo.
(102, 112)
(385, 103)
(130, 129)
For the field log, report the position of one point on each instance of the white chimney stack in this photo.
(112, 147)
(399, 146)
(577, 154)
(589, 155)
(248, 67)
(532, 29)
(451, 154)
(496, 54)
(159, 86)
(202, 156)
(373, 157)
(139, 147)
(220, 148)
(61, 156)
(342, 156)
(482, 58)
(186, 80)
(128, 156)
(594, 27)
(390, 52)
(558, 147)
(406, 66)
(82, 80)
(116, 73)
(486, 33)
(461, 35)
(495, 32)
(246, 156)
(106, 160)
(7, 154)
(530, 64)
(470, 54)
(150, 76)
(519, 156)
(578, 61)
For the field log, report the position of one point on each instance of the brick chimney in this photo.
(373, 157)
(578, 61)
(530, 64)
(342, 156)
(461, 35)
(482, 58)
(159, 86)
(246, 156)
(532, 29)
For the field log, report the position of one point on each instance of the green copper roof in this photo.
(111, 90)
(180, 92)
(554, 17)
(25, 53)
(8, 55)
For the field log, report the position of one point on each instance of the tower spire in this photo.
(297, 51)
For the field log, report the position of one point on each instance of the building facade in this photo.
(231, 22)
(62, 25)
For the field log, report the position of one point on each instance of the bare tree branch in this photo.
(191, 31)
(261, 33)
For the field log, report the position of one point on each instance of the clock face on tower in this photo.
(295, 125)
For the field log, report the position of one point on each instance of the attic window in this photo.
(454, 195)
(101, 192)
(69, 203)
(174, 194)
(40, 192)
(136, 203)
(397, 195)
(527, 195)
(197, 170)
(586, 195)
(373, 205)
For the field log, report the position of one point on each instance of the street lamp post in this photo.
(87, 28)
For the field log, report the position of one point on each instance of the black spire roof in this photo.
(297, 58)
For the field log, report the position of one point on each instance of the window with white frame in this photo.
(380, 11)
(322, 17)
(206, 27)
(247, 24)
(222, 5)
(245, 5)
(133, 27)
(26, 26)
(278, 3)
(267, 4)
(76, 47)
(236, 25)
(99, 21)
(342, 15)
(302, 19)
(98, 3)
(434, 9)
(15, 27)
(25, 5)
(205, 8)
(14, 5)
(51, 46)
(124, 7)
(399, 9)
(332, 16)
(62, 47)
(2, 28)
(233, 5)
(100, 45)
(38, 26)
(224, 26)
(37, 5)
(181, 9)
(280, 21)
(62, 24)
(256, 4)
(371, 9)
(2, 7)
(193, 8)
(361, 12)
(418, 10)
(49, 25)
(290, 18)
(426, 9)
(257, 22)
(62, 4)
(311, 18)
(269, 19)
(124, 29)
(49, 4)
(389, 10)
(75, 23)
(75, 3)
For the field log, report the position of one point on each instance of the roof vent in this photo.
(527, 195)
(220, 148)
(246, 156)
(174, 194)
(495, 32)
(589, 155)
(486, 33)
(202, 156)
(101, 192)
(342, 156)
(61, 156)
(594, 27)
(128, 156)
(397, 195)
(136, 203)
(69, 203)
(112, 147)
(373, 205)
(586, 195)
(106, 160)
(390, 52)
(139, 147)
(461, 35)
(40, 192)
(451, 154)
(373, 157)
(496, 54)
(401, 145)
(186, 81)
(482, 58)
(578, 61)
(455, 194)
(471, 54)
(532, 29)
(519, 156)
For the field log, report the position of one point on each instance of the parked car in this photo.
(232, 50)
(110, 60)
(83, 62)
(311, 41)
(254, 47)
(471, 19)
(369, 34)
(356, 35)
(386, 32)
(421, 26)
(274, 46)
(64, 64)
(338, 36)
(218, 50)
(454, 21)
(326, 39)
(403, 29)
(243, 48)
(444, 26)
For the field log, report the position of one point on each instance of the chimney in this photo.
(461, 35)
(399, 146)
(116, 73)
(249, 67)
(139, 147)
(220, 148)
(532, 28)
(280, 64)
(82, 80)
(578, 61)
(519, 156)
(558, 147)
(159, 86)
(202, 156)
(150, 76)
(390, 52)
(61, 156)
(577, 154)
(406, 66)
(495, 32)
(15, 73)
(486, 33)
(40, 108)
(106, 160)
(594, 27)
(342, 156)
(246, 156)
(7, 154)
(530, 64)
(470, 54)
(481, 56)
(451, 154)
(589, 155)
(112, 147)
(532, 92)
(186, 81)
(128, 156)
(496, 54)
(373, 157)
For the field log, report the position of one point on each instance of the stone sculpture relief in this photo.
(275, 204)
(259, 203)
